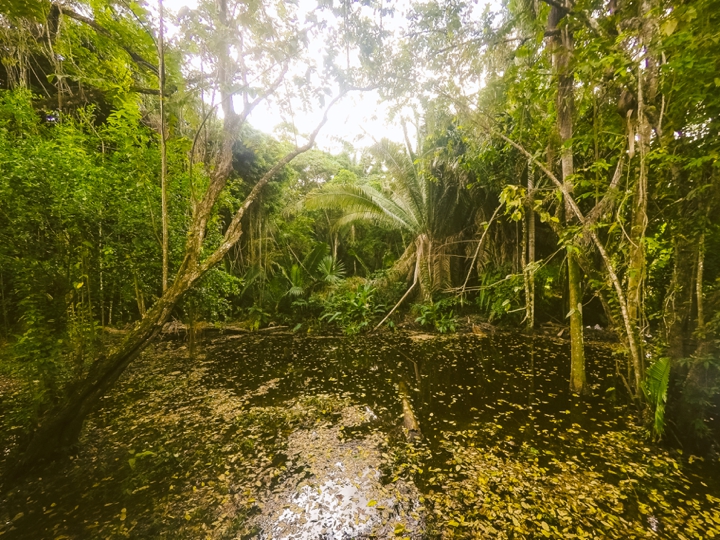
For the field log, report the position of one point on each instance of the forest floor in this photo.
(284, 436)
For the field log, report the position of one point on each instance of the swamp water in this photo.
(298, 437)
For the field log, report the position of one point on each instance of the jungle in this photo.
(333, 269)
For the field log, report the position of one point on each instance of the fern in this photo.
(655, 388)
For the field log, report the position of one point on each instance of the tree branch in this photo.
(634, 351)
(556, 5)
(137, 58)
(233, 232)
(477, 251)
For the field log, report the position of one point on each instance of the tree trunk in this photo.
(61, 427)
(586, 224)
(562, 58)
(699, 288)
(678, 302)
(636, 259)
(578, 381)
(702, 348)
(163, 154)
(530, 279)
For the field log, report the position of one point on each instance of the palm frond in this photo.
(313, 259)
(330, 270)
(407, 181)
(377, 218)
(363, 201)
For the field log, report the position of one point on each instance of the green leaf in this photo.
(655, 389)
(34, 9)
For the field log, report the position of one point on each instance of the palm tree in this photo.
(421, 196)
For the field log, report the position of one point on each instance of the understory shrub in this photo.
(439, 315)
(352, 307)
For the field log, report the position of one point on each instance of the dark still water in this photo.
(286, 436)
(456, 382)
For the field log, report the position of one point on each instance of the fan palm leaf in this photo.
(412, 199)
(364, 202)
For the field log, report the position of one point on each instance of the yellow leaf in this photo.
(372, 503)
(669, 26)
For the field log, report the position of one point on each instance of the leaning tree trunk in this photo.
(61, 427)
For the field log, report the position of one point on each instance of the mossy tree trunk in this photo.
(562, 50)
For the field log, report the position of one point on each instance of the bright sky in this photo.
(358, 118)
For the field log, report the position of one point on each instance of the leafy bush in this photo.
(352, 309)
(438, 314)
(499, 296)
(258, 316)
(212, 299)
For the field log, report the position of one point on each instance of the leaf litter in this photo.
(301, 437)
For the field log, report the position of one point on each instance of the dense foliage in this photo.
(559, 171)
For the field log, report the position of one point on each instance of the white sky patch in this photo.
(360, 118)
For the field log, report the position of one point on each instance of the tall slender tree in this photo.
(561, 47)
(163, 151)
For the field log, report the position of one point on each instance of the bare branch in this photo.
(243, 116)
(477, 251)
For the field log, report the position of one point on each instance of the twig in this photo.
(398, 304)
(472, 264)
